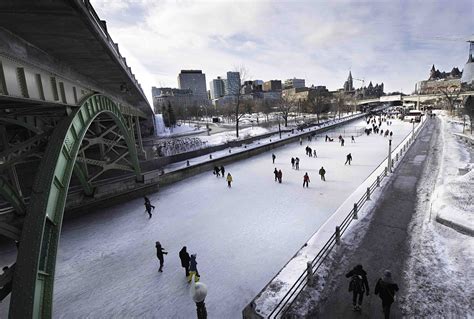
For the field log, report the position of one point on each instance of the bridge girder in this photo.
(33, 276)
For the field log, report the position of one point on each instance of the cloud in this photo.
(394, 42)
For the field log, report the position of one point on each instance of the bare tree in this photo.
(285, 106)
(265, 107)
(239, 111)
(450, 94)
(318, 102)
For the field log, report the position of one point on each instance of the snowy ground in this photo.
(439, 273)
(106, 264)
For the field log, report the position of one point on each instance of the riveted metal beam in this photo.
(11, 196)
(33, 280)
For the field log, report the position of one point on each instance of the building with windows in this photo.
(193, 80)
(232, 83)
(272, 85)
(217, 88)
(294, 83)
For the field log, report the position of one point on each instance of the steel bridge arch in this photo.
(33, 279)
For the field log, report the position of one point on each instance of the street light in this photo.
(389, 164)
(198, 293)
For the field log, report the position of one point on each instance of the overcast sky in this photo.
(394, 42)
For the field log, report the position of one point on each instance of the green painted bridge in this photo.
(71, 113)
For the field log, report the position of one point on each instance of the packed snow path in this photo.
(107, 264)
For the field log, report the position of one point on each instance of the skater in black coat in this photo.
(160, 251)
(184, 257)
(386, 290)
(348, 159)
(292, 162)
(148, 206)
(358, 285)
(216, 171)
(273, 158)
(275, 172)
(222, 170)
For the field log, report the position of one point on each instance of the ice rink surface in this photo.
(107, 265)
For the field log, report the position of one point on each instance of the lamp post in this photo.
(389, 163)
(279, 128)
(199, 293)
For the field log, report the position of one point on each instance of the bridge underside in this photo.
(44, 148)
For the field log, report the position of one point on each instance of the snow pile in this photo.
(452, 202)
(225, 137)
(439, 271)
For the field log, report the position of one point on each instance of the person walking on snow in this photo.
(314, 153)
(160, 251)
(353, 139)
(275, 172)
(348, 159)
(222, 170)
(358, 285)
(386, 290)
(193, 269)
(148, 206)
(297, 163)
(306, 180)
(280, 176)
(184, 257)
(229, 180)
(322, 172)
(292, 162)
(273, 158)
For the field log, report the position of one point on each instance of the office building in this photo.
(193, 80)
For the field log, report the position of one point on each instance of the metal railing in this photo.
(286, 302)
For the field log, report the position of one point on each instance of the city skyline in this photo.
(379, 41)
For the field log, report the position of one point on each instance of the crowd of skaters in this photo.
(385, 287)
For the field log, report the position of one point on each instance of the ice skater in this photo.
(273, 158)
(280, 176)
(358, 285)
(348, 159)
(292, 162)
(216, 171)
(315, 154)
(160, 251)
(222, 170)
(386, 290)
(193, 271)
(229, 180)
(148, 206)
(342, 141)
(322, 172)
(353, 139)
(275, 172)
(297, 164)
(306, 180)
(184, 257)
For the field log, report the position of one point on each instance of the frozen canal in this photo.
(107, 266)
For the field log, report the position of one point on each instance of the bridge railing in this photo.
(293, 292)
(114, 46)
